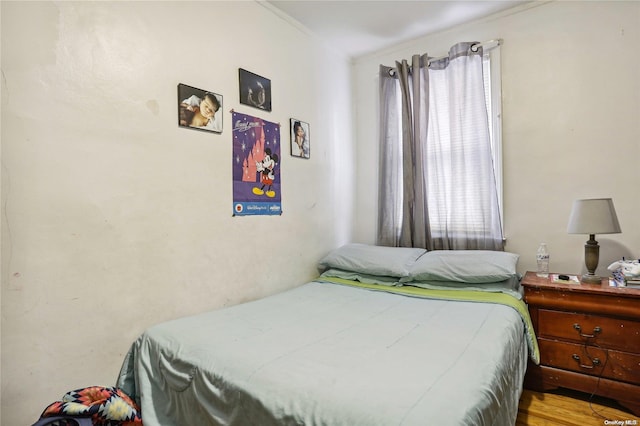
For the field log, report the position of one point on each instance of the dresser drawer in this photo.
(611, 364)
(606, 332)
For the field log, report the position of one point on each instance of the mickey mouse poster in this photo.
(256, 166)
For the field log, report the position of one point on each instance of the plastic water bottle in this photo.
(543, 261)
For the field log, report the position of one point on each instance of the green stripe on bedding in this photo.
(459, 295)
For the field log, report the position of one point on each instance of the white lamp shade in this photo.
(594, 216)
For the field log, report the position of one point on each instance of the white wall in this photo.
(571, 123)
(113, 217)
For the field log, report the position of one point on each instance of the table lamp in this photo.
(593, 216)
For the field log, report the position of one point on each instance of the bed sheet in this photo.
(332, 354)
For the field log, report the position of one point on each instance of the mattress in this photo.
(335, 353)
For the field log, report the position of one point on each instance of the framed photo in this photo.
(255, 90)
(199, 109)
(300, 139)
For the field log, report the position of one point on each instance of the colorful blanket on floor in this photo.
(106, 406)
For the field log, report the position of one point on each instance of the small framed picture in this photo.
(300, 139)
(199, 109)
(255, 90)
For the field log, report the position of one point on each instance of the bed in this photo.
(378, 339)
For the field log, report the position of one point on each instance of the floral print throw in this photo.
(106, 406)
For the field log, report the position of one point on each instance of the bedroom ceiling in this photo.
(357, 27)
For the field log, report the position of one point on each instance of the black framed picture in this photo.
(255, 90)
(300, 139)
(199, 109)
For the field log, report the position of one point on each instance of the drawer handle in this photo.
(595, 362)
(596, 330)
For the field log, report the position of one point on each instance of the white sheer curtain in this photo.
(437, 187)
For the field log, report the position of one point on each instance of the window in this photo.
(440, 151)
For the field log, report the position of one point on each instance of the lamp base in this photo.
(591, 255)
(591, 279)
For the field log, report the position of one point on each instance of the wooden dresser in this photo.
(589, 338)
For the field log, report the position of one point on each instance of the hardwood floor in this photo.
(564, 407)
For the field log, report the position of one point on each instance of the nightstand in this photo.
(589, 338)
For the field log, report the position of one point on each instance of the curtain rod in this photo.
(474, 47)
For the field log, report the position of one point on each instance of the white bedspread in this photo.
(328, 354)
